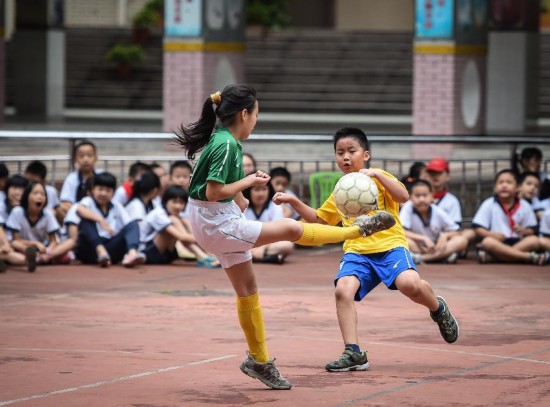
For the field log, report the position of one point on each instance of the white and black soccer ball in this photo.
(355, 194)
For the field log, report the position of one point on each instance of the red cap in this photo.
(438, 165)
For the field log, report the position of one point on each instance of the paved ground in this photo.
(168, 336)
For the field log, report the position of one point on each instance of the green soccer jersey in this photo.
(221, 161)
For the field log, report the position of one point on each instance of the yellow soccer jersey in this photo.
(377, 243)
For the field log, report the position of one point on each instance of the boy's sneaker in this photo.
(349, 360)
(378, 222)
(484, 257)
(265, 372)
(452, 258)
(448, 326)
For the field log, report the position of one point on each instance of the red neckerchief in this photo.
(510, 211)
(128, 189)
(440, 194)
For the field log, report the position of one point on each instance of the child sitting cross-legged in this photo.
(107, 235)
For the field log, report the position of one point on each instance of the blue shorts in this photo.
(156, 257)
(372, 269)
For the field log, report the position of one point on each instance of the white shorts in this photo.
(222, 229)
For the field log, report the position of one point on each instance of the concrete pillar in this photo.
(39, 58)
(203, 52)
(2, 63)
(512, 65)
(449, 67)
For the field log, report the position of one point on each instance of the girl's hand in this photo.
(258, 178)
(105, 226)
(40, 246)
(281, 198)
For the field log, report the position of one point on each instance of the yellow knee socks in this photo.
(316, 234)
(252, 323)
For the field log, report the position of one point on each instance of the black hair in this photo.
(37, 168)
(527, 153)
(174, 192)
(506, 171)
(4, 172)
(270, 194)
(251, 158)
(420, 182)
(81, 144)
(154, 165)
(526, 174)
(180, 164)
(280, 172)
(138, 167)
(104, 179)
(234, 98)
(17, 181)
(354, 133)
(27, 192)
(146, 183)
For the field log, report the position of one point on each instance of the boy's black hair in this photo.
(506, 171)
(154, 165)
(174, 192)
(37, 168)
(138, 167)
(353, 132)
(420, 182)
(526, 174)
(146, 183)
(527, 153)
(180, 164)
(104, 179)
(280, 172)
(81, 144)
(27, 192)
(4, 172)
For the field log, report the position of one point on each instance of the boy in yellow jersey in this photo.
(368, 261)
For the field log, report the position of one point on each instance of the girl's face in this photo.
(531, 165)
(259, 194)
(14, 195)
(529, 188)
(37, 198)
(249, 121)
(85, 158)
(175, 206)
(102, 194)
(350, 156)
(506, 186)
(248, 165)
(421, 198)
(181, 176)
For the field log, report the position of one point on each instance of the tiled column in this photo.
(203, 52)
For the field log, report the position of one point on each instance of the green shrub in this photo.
(125, 53)
(267, 13)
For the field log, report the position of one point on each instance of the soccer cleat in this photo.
(378, 222)
(348, 361)
(448, 325)
(267, 373)
(30, 257)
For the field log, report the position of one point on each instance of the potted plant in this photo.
(124, 56)
(267, 14)
(142, 23)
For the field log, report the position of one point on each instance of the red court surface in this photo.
(169, 336)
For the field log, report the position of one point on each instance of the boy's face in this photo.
(14, 195)
(85, 158)
(175, 206)
(102, 194)
(529, 188)
(37, 197)
(438, 179)
(181, 176)
(163, 177)
(506, 186)
(532, 164)
(421, 198)
(350, 156)
(259, 194)
(279, 183)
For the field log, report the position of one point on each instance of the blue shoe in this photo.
(208, 263)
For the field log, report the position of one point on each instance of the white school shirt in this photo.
(438, 223)
(53, 198)
(451, 205)
(154, 222)
(72, 217)
(539, 205)
(39, 231)
(272, 212)
(3, 212)
(121, 196)
(116, 216)
(544, 227)
(137, 209)
(491, 216)
(70, 186)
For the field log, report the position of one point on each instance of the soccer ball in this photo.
(355, 194)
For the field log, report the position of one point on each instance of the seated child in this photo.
(529, 186)
(280, 180)
(544, 234)
(106, 233)
(125, 192)
(13, 191)
(34, 229)
(164, 182)
(146, 188)
(162, 228)
(432, 236)
(7, 254)
(4, 174)
(506, 225)
(37, 171)
(263, 209)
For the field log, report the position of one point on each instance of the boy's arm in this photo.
(393, 186)
(307, 213)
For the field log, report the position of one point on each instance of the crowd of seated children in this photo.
(280, 181)
(145, 188)
(125, 192)
(529, 186)
(530, 160)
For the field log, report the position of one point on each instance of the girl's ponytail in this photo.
(195, 136)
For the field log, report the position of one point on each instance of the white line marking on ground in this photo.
(111, 381)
